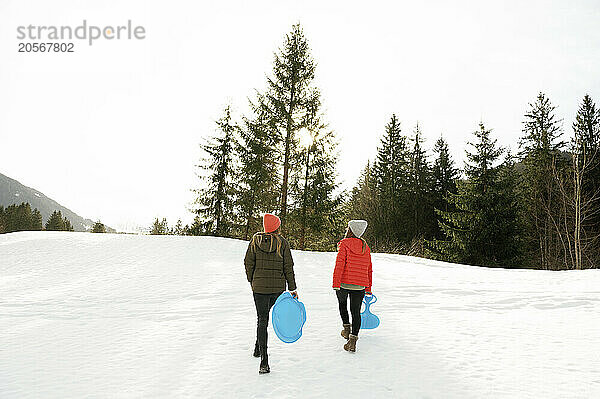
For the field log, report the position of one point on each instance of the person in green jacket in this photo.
(269, 266)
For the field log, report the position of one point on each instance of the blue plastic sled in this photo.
(288, 317)
(367, 319)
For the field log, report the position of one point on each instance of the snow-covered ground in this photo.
(104, 315)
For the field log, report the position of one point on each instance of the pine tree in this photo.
(586, 144)
(19, 217)
(257, 177)
(11, 222)
(55, 222)
(196, 228)
(584, 197)
(68, 225)
(215, 200)
(99, 227)
(445, 175)
(364, 203)
(508, 219)
(390, 172)
(36, 220)
(482, 229)
(24, 216)
(419, 186)
(159, 227)
(156, 228)
(290, 99)
(315, 207)
(178, 229)
(541, 157)
(10, 219)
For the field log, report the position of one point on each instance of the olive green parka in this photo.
(267, 269)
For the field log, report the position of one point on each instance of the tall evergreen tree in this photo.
(584, 198)
(420, 189)
(509, 208)
(179, 229)
(290, 101)
(586, 145)
(257, 177)
(68, 225)
(315, 205)
(36, 220)
(445, 175)
(481, 231)
(391, 175)
(364, 203)
(196, 228)
(159, 227)
(24, 216)
(215, 201)
(541, 147)
(98, 227)
(56, 222)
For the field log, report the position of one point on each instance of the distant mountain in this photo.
(13, 192)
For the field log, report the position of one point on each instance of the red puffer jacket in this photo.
(352, 266)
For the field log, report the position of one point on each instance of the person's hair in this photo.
(258, 237)
(350, 234)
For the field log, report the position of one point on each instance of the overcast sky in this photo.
(112, 130)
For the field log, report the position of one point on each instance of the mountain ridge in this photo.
(13, 192)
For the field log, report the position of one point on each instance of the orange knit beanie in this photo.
(271, 222)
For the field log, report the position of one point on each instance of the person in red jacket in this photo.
(352, 277)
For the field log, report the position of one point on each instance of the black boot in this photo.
(264, 365)
(256, 350)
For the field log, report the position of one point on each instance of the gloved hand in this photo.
(294, 294)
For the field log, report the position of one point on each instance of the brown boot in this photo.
(346, 331)
(351, 344)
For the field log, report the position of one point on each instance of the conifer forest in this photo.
(536, 205)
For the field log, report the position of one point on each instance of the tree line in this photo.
(539, 208)
(23, 218)
(536, 208)
(161, 227)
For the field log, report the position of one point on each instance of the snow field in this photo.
(120, 316)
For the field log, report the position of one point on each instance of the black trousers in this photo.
(263, 303)
(356, 298)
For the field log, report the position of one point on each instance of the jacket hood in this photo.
(266, 242)
(355, 245)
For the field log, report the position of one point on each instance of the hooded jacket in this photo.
(266, 269)
(352, 266)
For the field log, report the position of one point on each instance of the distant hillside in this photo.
(13, 192)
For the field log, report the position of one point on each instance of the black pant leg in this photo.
(263, 303)
(342, 296)
(271, 302)
(273, 299)
(356, 298)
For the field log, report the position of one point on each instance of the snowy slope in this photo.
(86, 315)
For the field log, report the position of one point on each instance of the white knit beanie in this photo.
(358, 227)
